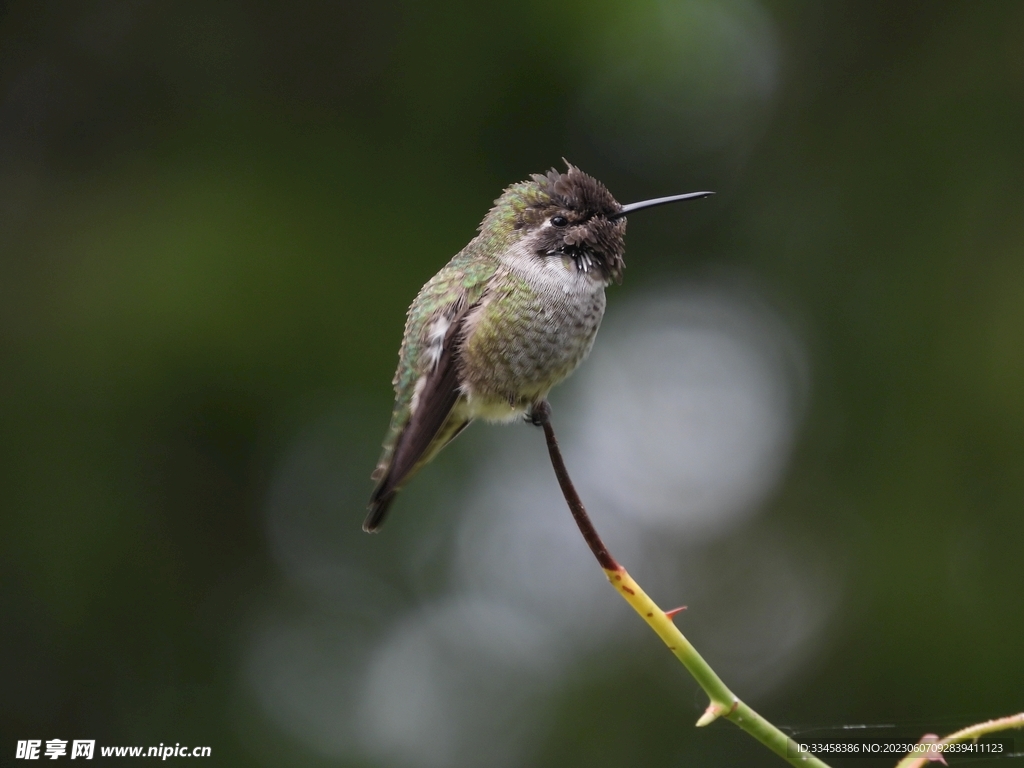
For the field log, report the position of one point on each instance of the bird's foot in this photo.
(539, 414)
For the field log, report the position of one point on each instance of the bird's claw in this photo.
(539, 414)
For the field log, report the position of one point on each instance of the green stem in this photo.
(971, 732)
(724, 702)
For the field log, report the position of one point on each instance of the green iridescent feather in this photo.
(461, 282)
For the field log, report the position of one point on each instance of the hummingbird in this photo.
(509, 317)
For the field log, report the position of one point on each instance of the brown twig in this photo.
(542, 418)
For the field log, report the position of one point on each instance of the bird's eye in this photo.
(559, 221)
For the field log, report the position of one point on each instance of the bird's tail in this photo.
(392, 475)
(379, 504)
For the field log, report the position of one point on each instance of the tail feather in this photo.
(378, 511)
(389, 482)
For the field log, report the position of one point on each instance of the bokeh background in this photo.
(803, 418)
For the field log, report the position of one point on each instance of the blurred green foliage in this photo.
(213, 217)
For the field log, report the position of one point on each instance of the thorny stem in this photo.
(971, 732)
(723, 702)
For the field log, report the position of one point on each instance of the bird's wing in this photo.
(422, 423)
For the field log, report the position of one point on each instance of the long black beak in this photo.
(657, 201)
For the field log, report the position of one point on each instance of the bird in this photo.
(509, 317)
